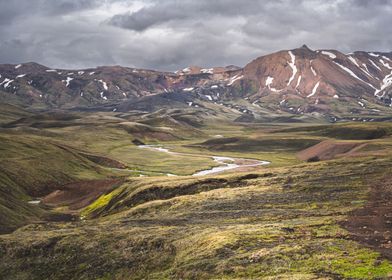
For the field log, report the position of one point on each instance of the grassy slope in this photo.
(283, 223)
(32, 167)
(10, 113)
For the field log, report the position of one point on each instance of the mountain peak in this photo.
(304, 46)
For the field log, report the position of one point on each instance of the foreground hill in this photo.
(302, 222)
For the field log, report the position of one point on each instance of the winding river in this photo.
(225, 163)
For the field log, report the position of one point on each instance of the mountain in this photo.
(299, 82)
(304, 80)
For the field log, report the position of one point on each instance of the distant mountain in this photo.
(299, 81)
(322, 80)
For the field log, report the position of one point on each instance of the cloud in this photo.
(172, 34)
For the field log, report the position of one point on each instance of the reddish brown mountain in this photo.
(306, 80)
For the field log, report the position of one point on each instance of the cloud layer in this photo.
(172, 34)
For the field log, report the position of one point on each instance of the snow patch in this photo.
(20, 76)
(207, 71)
(235, 78)
(209, 97)
(373, 54)
(104, 84)
(67, 81)
(299, 81)
(214, 86)
(331, 55)
(268, 83)
(314, 89)
(352, 59)
(312, 69)
(188, 89)
(386, 82)
(103, 96)
(374, 64)
(336, 96)
(293, 67)
(386, 64)
(18, 66)
(51, 70)
(386, 58)
(6, 82)
(353, 74)
(91, 73)
(80, 72)
(366, 70)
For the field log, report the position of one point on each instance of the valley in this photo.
(105, 208)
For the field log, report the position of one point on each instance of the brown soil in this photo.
(330, 149)
(372, 224)
(77, 195)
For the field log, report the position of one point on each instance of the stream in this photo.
(226, 163)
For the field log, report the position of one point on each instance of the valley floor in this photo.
(108, 210)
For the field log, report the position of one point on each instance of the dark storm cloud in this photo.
(172, 34)
(187, 10)
(10, 10)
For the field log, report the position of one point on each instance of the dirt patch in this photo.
(329, 149)
(78, 195)
(372, 224)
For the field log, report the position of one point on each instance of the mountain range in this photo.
(299, 82)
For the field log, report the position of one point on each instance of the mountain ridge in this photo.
(297, 81)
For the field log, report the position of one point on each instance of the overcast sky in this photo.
(172, 34)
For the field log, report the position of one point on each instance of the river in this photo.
(226, 163)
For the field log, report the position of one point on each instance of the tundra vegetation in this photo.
(107, 209)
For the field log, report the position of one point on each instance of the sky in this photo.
(173, 34)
